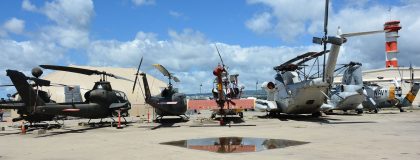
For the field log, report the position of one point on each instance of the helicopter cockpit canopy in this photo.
(290, 77)
(102, 84)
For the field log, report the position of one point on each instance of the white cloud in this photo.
(143, 2)
(27, 54)
(370, 49)
(291, 19)
(286, 19)
(14, 25)
(69, 30)
(192, 57)
(27, 5)
(260, 23)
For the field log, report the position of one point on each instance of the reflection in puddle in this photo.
(234, 144)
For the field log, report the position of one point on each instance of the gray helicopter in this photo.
(385, 97)
(350, 93)
(169, 102)
(292, 94)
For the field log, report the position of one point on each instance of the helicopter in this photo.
(226, 95)
(389, 97)
(25, 111)
(350, 93)
(290, 93)
(169, 102)
(100, 102)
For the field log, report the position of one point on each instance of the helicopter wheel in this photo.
(317, 114)
(376, 110)
(359, 111)
(213, 115)
(241, 114)
(401, 109)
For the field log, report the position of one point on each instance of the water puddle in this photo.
(234, 144)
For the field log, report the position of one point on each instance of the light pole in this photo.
(201, 85)
(256, 88)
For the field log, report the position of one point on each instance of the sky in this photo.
(253, 36)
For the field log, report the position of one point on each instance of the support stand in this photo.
(23, 129)
(119, 119)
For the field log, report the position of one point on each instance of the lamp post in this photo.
(256, 88)
(201, 85)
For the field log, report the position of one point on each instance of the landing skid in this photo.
(183, 117)
(214, 115)
(102, 123)
(32, 126)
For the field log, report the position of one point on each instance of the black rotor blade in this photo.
(7, 85)
(71, 69)
(137, 74)
(40, 82)
(119, 77)
(315, 55)
(326, 18)
(298, 58)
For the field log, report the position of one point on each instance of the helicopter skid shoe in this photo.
(184, 117)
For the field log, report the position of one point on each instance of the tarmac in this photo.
(386, 135)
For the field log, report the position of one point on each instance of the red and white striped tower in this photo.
(391, 46)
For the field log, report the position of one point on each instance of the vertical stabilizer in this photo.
(147, 93)
(409, 98)
(25, 90)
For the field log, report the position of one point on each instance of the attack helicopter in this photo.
(169, 102)
(100, 102)
(292, 94)
(26, 112)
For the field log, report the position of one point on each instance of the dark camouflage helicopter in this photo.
(26, 110)
(35, 105)
(169, 102)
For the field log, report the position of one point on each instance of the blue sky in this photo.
(253, 35)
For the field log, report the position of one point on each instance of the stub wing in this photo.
(12, 105)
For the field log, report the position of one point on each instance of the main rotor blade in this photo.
(119, 77)
(7, 85)
(176, 79)
(298, 58)
(71, 69)
(221, 59)
(314, 55)
(361, 33)
(137, 74)
(326, 18)
(82, 71)
(162, 70)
